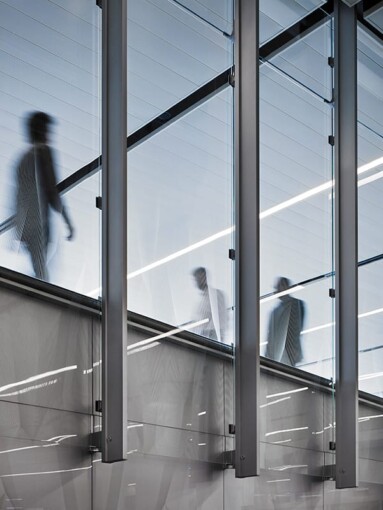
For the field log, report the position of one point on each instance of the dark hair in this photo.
(38, 126)
(199, 271)
(282, 283)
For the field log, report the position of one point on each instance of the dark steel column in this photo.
(114, 230)
(346, 246)
(247, 238)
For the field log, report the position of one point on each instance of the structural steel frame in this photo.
(114, 231)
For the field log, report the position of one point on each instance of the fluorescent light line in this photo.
(368, 314)
(264, 214)
(283, 431)
(281, 442)
(287, 392)
(282, 480)
(330, 324)
(135, 426)
(179, 253)
(169, 333)
(317, 328)
(37, 377)
(295, 200)
(282, 293)
(372, 417)
(374, 375)
(369, 166)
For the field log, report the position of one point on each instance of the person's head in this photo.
(200, 277)
(38, 125)
(282, 283)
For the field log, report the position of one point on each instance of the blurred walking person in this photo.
(212, 308)
(285, 327)
(37, 194)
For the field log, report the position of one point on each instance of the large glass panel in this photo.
(296, 206)
(370, 193)
(218, 13)
(171, 53)
(278, 15)
(180, 222)
(49, 129)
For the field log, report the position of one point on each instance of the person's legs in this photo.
(38, 252)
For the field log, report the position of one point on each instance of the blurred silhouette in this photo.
(37, 194)
(285, 326)
(212, 307)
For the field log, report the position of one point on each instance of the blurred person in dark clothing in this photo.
(285, 327)
(37, 194)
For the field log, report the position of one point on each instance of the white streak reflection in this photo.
(277, 295)
(47, 472)
(287, 392)
(275, 402)
(284, 431)
(37, 377)
(167, 334)
(281, 442)
(287, 466)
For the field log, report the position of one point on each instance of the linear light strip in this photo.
(282, 293)
(330, 324)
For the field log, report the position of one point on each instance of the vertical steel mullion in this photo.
(246, 144)
(114, 230)
(346, 239)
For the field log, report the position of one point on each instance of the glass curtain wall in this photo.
(50, 129)
(296, 216)
(180, 178)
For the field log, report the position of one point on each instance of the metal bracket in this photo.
(95, 442)
(331, 140)
(331, 61)
(228, 459)
(332, 446)
(232, 77)
(231, 254)
(98, 406)
(99, 203)
(99, 3)
(331, 293)
(231, 428)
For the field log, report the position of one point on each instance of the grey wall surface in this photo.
(180, 403)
